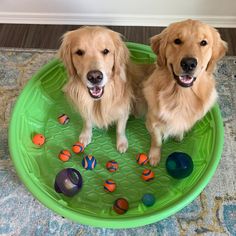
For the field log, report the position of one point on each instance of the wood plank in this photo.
(48, 36)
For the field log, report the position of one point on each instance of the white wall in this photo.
(220, 13)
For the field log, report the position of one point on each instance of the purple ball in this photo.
(68, 181)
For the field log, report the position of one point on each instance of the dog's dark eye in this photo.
(105, 51)
(80, 52)
(203, 43)
(177, 41)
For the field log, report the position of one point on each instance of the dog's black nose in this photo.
(95, 76)
(188, 64)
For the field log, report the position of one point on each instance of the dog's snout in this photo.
(95, 76)
(188, 64)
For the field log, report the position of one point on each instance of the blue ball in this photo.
(148, 199)
(179, 165)
(89, 162)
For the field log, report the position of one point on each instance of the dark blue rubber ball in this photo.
(68, 181)
(179, 165)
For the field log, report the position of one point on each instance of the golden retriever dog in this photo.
(181, 89)
(96, 61)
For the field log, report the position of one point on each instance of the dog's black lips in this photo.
(96, 92)
(185, 81)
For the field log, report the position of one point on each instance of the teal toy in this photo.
(179, 165)
(148, 199)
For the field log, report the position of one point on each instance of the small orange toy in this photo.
(38, 139)
(148, 175)
(64, 155)
(112, 166)
(120, 206)
(63, 119)
(142, 159)
(109, 185)
(78, 147)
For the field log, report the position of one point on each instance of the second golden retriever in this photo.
(182, 88)
(96, 61)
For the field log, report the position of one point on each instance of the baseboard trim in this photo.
(110, 19)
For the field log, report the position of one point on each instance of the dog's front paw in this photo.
(85, 139)
(179, 138)
(122, 144)
(154, 156)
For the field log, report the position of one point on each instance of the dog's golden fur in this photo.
(173, 109)
(98, 49)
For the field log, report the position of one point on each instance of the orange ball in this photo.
(112, 166)
(38, 139)
(63, 119)
(142, 159)
(109, 185)
(64, 155)
(120, 206)
(78, 147)
(148, 175)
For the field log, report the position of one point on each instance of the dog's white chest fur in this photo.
(179, 118)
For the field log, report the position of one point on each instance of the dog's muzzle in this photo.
(95, 88)
(186, 79)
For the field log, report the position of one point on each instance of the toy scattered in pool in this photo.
(121, 206)
(68, 181)
(112, 166)
(142, 159)
(109, 185)
(148, 175)
(38, 139)
(179, 165)
(148, 199)
(89, 162)
(64, 155)
(78, 147)
(63, 119)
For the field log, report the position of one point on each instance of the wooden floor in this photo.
(48, 36)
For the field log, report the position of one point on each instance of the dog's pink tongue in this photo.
(96, 91)
(186, 79)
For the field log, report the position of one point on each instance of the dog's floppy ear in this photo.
(121, 56)
(219, 49)
(158, 45)
(66, 56)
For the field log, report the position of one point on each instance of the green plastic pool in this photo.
(36, 111)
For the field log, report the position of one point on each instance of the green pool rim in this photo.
(119, 222)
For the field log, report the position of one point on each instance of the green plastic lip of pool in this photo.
(36, 111)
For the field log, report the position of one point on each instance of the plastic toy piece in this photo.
(112, 166)
(142, 159)
(148, 199)
(64, 155)
(109, 185)
(89, 162)
(68, 181)
(63, 119)
(179, 165)
(38, 139)
(78, 147)
(121, 206)
(148, 175)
